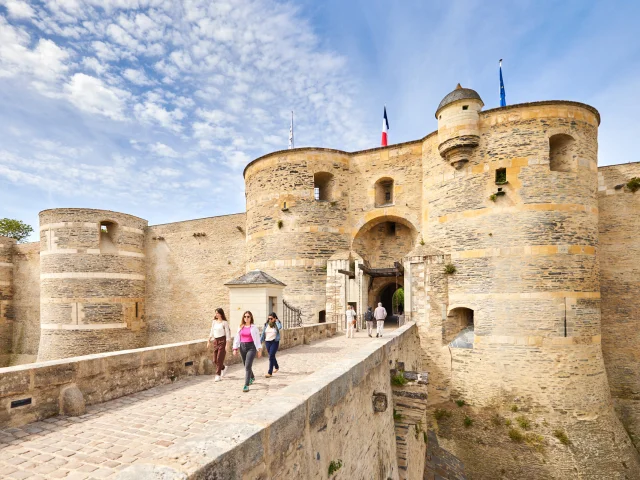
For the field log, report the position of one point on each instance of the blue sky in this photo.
(154, 107)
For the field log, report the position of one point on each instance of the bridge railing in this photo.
(291, 316)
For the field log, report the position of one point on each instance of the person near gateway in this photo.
(368, 316)
(247, 340)
(271, 338)
(351, 321)
(380, 314)
(218, 336)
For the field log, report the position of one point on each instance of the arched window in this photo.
(459, 328)
(384, 192)
(323, 184)
(108, 242)
(562, 153)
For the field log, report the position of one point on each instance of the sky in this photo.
(154, 107)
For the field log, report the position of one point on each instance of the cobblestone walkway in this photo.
(116, 434)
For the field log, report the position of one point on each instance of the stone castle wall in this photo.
(293, 242)
(620, 288)
(26, 303)
(6, 299)
(186, 275)
(92, 282)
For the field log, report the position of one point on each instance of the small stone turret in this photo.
(458, 131)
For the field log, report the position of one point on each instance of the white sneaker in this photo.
(217, 379)
(224, 370)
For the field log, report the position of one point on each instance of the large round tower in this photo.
(92, 282)
(297, 212)
(517, 317)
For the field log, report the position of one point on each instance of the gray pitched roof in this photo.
(255, 277)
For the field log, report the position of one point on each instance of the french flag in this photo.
(385, 127)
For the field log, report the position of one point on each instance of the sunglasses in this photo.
(247, 316)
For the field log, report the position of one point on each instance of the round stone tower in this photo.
(458, 125)
(297, 217)
(92, 282)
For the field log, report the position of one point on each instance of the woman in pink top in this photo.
(247, 340)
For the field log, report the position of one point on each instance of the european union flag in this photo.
(503, 98)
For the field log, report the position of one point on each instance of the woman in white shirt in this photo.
(271, 338)
(218, 336)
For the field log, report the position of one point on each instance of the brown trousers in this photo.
(219, 352)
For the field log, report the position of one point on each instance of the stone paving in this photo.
(116, 434)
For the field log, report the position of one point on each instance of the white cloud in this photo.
(136, 77)
(18, 9)
(92, 95)
(163, 150)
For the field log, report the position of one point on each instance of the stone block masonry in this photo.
(92, 282)
(6, 299)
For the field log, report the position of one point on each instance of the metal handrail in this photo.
(291, 316)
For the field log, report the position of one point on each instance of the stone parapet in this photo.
(34, 391)
(335, 420)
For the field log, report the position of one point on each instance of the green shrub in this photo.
(398, 379)
(334, 466)
(493, 197)
(468, 422)
(516, 435)
(524, 422)
(450, 269)
(634, 184)
(440, 413)
(280, 224)
(562, 436)
(460, 403)
(534, 440)
(421, 241)
(396, 416)
(514, 408)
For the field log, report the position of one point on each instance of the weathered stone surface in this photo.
(72, 402)
(208, 366)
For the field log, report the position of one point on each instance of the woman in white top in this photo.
(271, 339)
(247, 340)
(218, 336)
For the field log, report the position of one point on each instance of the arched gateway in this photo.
(372, 270)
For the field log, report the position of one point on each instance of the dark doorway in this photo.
(386, 297)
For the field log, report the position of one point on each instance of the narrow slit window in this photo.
(465, 107)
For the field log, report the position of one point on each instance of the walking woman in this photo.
(248, 341)
(271, 338)
(218, 336)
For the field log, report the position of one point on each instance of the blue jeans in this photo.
(272, 348)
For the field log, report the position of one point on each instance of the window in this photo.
(562, 153)
(459, 328)
(322, 316)
(384, 192)
(323, 184)
(273, 303)
(501, 176)
(465, 107)
(108, 237)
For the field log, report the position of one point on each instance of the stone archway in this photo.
(384, 240)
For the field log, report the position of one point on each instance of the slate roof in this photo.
(255, 277)
(458, 94)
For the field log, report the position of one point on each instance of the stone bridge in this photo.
(151, 414)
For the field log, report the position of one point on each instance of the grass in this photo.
(440, 413)
(493, 197)
(534, 440)
(398, 379)
(421, 241)
(460, 403)
(497, 420)
(334, 466)
(516, 435)
(450, 269)
(562, 436)
(396, 416)
(468, 422)
(514, 408)
(280, 223)
(524, 422)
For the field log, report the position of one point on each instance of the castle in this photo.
(517, 254)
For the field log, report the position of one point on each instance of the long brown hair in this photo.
(221, 312)
(242, 322)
